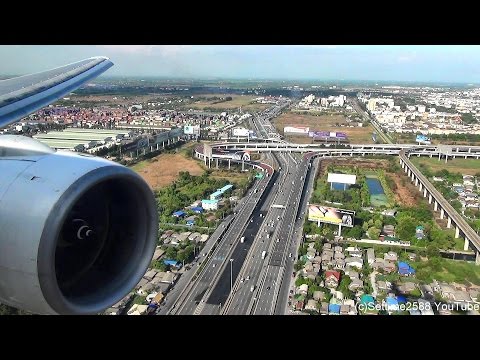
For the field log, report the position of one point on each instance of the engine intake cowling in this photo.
(77, 233)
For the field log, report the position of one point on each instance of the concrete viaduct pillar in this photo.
(430, 198)
(425, 192)
(416, 181)
(465, 245)
(217, 163)
(435, 205)
(449, 222)
(420, 187)
(413, 176)
(228, 164)
(243, 165)
(457, 232)
(477, 258)
(442, 213)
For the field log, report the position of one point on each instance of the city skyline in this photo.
(383, 63)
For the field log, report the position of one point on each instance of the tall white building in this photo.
(372, 104)
(421, 108)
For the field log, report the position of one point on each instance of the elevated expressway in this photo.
(404, 151)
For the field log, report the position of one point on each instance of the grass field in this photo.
(245, 101)
(236, 178)
(463, 166)
(356, 135)
(449, 271)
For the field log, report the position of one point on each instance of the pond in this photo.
(377, 194)
(339, 186)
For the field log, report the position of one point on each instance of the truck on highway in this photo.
(252, 288)
(264, 253)
(242, 240)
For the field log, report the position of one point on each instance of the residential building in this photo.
(311, 305)
(370, 256)
(210, 204)
(332, 278)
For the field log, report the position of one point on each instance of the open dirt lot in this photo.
(163, 169)
(356, 135)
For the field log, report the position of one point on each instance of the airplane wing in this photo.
(24, 95)
(77, 232)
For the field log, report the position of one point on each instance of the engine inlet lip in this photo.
(53, 225)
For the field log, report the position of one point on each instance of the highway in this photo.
(174, 293)
(240, 301)
(213, 267)
(283, 295)
(377, 127)
(275, 273)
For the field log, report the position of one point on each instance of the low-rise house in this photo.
(390, 256)
(339, 264)
(356, 262)
(158, 253)
(299, 305)
(384, 285)
(405, 269)
(357, 254)
(461, 296)
(141, 283)
(324, 308)
(388, 267)
(303, 289)
(351, 304)
(412, 256)
(352, 274)
(332, 278)
(406, 287)
(137, 309)
(338, 249)
(146, 289)
(317, 260)
(334, 309)
(150, 274)
(311, 305)
(327, 246)
(344, 310)
(318, 295)
(338, 255)
(474, 294)
(447, 291)
(389, 230)
(355, 285)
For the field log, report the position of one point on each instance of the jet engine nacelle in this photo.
(77, 232)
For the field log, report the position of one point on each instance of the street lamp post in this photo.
(231, 275)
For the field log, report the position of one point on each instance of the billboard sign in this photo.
(327, 135)
(240, 132)
(423, 139)
(331, 215)
(191, 129)
(341, 178)
(231, 154)
(296, 130)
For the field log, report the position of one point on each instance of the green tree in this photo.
(373, 233)
(405, 228)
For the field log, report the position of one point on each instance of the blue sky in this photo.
(433, 63)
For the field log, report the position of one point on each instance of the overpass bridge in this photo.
(404, 151)
(441, 204)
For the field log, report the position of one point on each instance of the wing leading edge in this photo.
(24, 95)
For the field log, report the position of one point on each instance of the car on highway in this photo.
(247, 278)
(213, 265)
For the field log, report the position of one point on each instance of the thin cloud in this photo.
(166, 50)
